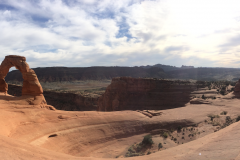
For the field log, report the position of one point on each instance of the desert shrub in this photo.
(175, 139)
(233, 83)
(203, 97)
(223, 113)
(213, 116)
(165, 135)
(160, 146)
(228, 119)
(131, 149)
(179, 128)
(148, 153)
(139, 147)
(130, 154)
(216, 123)
(147, 140)
(238, 118)
(222, 92)
(182, 137)
(214, 97)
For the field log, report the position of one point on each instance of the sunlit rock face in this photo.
(32, 91)
(127, 93)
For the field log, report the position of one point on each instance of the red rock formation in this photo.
(127, 93)
(237, 87)
(32, 90)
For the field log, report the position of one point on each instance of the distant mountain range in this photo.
(200, 73)
(55, 74)
(207, 74)
(168, 67)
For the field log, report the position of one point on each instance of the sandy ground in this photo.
(29, 132)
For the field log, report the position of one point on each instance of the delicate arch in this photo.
(31, 85)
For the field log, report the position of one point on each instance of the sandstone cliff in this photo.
(237, 89)
(127, 93)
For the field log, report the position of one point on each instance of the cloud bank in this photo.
(78, 33)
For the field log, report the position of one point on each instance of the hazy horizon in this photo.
(80, 33)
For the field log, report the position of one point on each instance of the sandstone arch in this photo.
(32, 91)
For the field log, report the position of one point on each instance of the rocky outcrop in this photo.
(237, 87)
(127, 93)
(32, 91)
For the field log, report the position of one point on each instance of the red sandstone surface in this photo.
(31, 132)
(28, 132)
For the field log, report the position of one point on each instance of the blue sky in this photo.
(81, 33)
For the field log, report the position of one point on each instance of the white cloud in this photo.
(127, 32)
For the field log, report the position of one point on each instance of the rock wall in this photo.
(237, 89)
(62, 101)
(127, 93)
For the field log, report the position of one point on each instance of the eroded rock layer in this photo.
(127, 93)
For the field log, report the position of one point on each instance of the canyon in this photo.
(62, 101)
